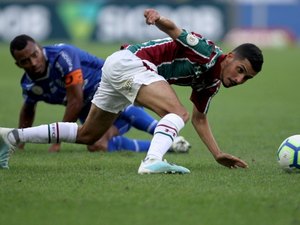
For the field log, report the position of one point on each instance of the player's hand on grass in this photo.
(54, 147)
(230, 161)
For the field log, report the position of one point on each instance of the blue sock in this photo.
(119, 143)
(139, 118)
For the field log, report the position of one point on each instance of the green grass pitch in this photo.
(78, 187)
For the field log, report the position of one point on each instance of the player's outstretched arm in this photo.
(163, 23)
(27, 114)
(202, 127)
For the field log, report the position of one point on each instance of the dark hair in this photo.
(20, 42)
(252, 53)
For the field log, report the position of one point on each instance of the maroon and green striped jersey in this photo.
(190, 60)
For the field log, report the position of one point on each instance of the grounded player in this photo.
(65, 75)
(142, 74)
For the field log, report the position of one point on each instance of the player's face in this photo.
(235, 71)
(32, 60)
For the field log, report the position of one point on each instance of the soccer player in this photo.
(143, 74)
(66, 75)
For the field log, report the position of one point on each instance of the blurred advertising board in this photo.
(107, 21)
(263, 37)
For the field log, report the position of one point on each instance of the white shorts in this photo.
(123, 74)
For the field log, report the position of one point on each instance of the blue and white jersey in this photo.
(62, 60)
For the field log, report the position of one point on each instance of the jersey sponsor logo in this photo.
(192, 40)
(68, 60)
(37, 90)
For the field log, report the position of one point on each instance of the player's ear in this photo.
(230, 55)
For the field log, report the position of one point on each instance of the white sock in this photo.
(165, 132)
(51, 133)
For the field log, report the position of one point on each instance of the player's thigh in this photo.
(96, 125)
(161, 98)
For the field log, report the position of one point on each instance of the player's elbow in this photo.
(198, 118)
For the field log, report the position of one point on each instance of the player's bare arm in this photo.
(27, 114)
(74, 103)
(74, 94)
(163, 23)
(201, 125)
